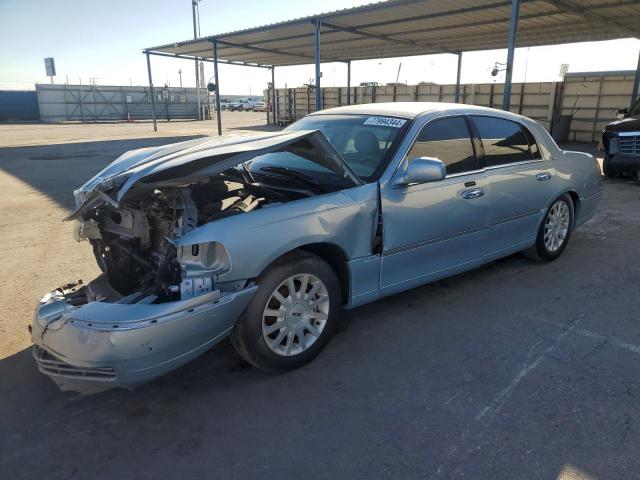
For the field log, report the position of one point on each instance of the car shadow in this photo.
(409, 372)
(56, 169)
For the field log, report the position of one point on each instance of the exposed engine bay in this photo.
(132, 242)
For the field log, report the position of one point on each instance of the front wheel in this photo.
(554, 232)
(292, 316)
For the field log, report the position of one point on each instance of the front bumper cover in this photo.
(101, 345)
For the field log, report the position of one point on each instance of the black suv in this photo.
(621, 144)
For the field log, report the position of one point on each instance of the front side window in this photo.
(505, 141)
(446, 139)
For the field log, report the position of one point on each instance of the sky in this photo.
(104, 41)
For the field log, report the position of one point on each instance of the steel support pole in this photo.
(151, 92)
(194, 5)
(636, 80)
(513, 33)
(215, 74)
(458, 77)
(317, 50)
(274, 106)
(348, 82)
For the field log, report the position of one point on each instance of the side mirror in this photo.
(423, 170)
(622, 113)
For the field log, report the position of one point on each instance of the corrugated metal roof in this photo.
(399, 28)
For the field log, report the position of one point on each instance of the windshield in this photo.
(366, 142)
(309, 164)
(635, 110)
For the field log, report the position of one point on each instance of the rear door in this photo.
(435, 229)
(521, 181)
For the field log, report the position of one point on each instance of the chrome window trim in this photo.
(471, 172)
(413, 141)
(521, 125)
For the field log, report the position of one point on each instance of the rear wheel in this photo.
(292, 316)
(554, 232)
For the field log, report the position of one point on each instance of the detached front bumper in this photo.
(100, 345)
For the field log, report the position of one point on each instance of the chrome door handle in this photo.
(472, 193)
(544, 176)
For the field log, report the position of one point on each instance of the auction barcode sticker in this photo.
(385, 122)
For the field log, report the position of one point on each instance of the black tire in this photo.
(608, 169)
(247, 337)
(539, 251)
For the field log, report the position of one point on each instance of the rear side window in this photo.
(505, 141)
(448, 140)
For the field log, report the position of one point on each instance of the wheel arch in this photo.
(334, 256)
(575, 198)
(337, 259)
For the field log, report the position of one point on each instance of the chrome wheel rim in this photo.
(556, 226)
(295, 315)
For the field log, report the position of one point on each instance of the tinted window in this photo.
(448, 140)
(504, 141)
(533, 146)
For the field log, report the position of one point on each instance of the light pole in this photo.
(180, 75)
(194, 8)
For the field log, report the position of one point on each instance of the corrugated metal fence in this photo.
(18, 105)
(593, 99)
(596, 97)
(89, 103)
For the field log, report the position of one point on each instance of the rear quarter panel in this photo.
(577, 172)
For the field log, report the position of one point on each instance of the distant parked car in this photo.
(259, 107)
(621, 144)
(267, 237)
(244, 104)
(224, 103)
(370, 84)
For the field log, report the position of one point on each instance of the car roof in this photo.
(405, 109)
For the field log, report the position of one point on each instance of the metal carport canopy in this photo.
(399, 28)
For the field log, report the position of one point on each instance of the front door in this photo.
(435, 229)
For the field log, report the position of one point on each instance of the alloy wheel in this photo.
(556, 226)
(295, 315)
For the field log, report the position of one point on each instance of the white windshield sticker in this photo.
(385, 122)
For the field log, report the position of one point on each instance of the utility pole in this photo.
(194, 7)
(180, 75)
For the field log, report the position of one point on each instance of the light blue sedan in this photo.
(266, 238)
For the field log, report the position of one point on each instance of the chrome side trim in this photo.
(425, 243)
(443, 238)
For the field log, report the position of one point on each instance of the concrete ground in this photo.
(515, 370)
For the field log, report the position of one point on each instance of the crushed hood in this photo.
(180, 163)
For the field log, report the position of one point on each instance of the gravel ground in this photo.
(514, 370)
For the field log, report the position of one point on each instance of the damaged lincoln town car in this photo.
(265, 238)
